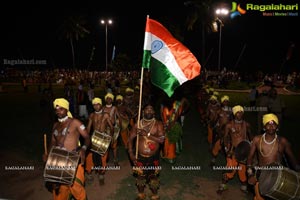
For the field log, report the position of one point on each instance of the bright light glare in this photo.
(222, 11)
(109, 21)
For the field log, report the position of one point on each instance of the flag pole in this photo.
(139, 110)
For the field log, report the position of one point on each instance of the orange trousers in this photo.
(89, 162)
(169, 149)
(232, 162)
(124, 136)
(76, 190)
(114, 144)
(216, 148)
(132, 122)
(125, 131)
(257, 194)
(209, 134)
(104, 161)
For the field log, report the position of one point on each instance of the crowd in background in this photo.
(62, 76)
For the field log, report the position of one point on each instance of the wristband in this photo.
(84, 147)
(249, 171)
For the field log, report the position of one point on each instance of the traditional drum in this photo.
(242, 151)
(61, 166)
(116, 133)
(278, 182)
(100, 142)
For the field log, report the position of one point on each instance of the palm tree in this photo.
(200, 14)
(72, 29)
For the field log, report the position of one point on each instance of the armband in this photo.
(82, 127)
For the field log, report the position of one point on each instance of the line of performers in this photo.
(146, 141)
(247, 154)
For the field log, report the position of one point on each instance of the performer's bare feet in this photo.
(222, 188)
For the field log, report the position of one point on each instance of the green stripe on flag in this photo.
(162, 77)
(146, 59)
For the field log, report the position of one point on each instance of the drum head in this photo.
(280, 183)
(61, 166)
(242, 151)
(267, 180)
(100, 142)
(116, 133)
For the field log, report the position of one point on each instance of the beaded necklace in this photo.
(150, 124)
(63, 119)
(268, 143)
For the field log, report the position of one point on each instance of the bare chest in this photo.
(97, 119)
(238, 130)
(61, 130)
(63, 134)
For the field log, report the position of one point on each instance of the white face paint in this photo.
(82, 127)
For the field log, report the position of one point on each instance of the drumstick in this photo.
(45, 144)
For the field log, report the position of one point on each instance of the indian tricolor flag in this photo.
(170, 62)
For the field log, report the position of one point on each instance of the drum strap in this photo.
(112, 112)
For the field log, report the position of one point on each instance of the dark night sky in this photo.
(30, 31)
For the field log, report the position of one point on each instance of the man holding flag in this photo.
(149, 134)
(170, 64)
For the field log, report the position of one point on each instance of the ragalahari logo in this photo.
(236, 10)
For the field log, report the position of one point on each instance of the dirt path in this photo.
(119, 184)
(29, 185)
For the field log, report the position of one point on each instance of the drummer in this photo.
(66, 133)
(124, 113)
(236, 131)
(112, 110)
(99, 121)
(270, 149)
(224, 116)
